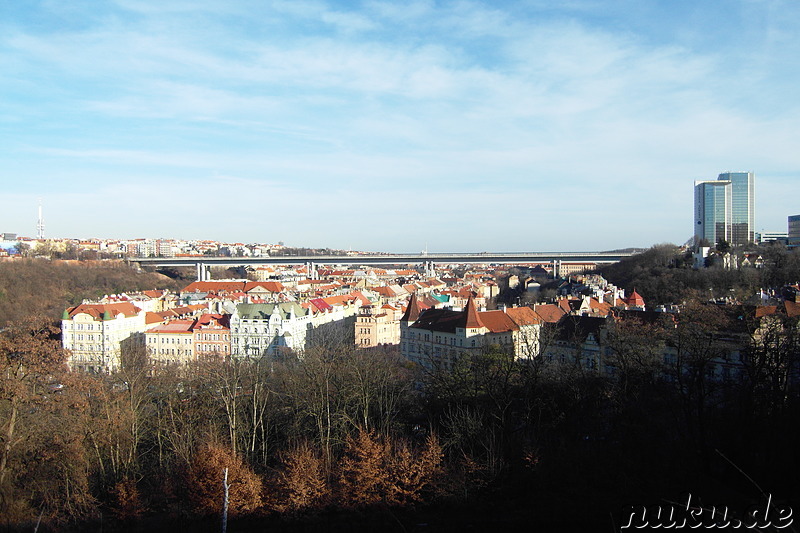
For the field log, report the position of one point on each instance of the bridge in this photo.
(202, 263)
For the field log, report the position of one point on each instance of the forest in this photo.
(42, 287)
(342, 439)
(346, 439)
(664, 273)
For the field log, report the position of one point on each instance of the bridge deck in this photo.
(391, 259)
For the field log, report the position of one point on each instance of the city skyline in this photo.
(449, 126)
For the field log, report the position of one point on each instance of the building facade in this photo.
(794, 231)
(712, 211)
(377, 325)
(94, 334)
(742, 206)
(171, 343)
(258, 330)
(436, 338)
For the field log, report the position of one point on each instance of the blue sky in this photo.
(460, 126)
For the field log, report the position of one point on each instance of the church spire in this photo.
(412, 311)
(471, 318)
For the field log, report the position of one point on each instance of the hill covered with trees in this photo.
(664, 274)
(43, 287)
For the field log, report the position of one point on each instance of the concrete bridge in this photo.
(202, 264)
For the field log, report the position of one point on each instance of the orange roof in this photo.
(214, 286)
(792, 308)
(412, 311)
(386, 291)
(635, 299)
(496, 321)
(766, 310)
(176, 326)
(154, 294)
(271, 286)
(523, 316)
(208, 318)
(550, 313)
(358, 295)
(153, 318)
(602, 308)
(472, 318)
(97, 311)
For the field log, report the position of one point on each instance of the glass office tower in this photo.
(794, 231)
(712, 211)
(743, 205)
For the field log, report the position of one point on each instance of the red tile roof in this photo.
(97, 311)
(175, 326)
(635, 299)
(523, 316)
(550, 313)
(766, 310)
(271, 286)
(471, 320)
(496, 321)
(153, 318)
(412, 311)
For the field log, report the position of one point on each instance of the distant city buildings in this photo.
(724, 209)
(771, 236)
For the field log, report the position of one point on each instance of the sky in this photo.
(451, 126)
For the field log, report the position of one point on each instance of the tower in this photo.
(743, 206)
(712, 211)
(40, 223)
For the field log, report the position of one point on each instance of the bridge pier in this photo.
(311, 268)
(203, 271)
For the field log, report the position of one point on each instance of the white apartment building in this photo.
(264, 329)
(94, 334)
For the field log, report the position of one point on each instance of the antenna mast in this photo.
(40, 224)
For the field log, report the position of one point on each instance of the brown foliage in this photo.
(204, 482)
(38, 444)
(43, 287)
(302, 484)
(412, 473)
(127, 500)
(363, 475)
(375, 470)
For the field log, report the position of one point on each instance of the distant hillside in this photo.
(664, 274)
(45, 287)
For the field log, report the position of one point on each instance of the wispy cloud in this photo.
(449, 105)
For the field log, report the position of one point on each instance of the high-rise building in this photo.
(794, 231)
(712, 211)
(743, 205)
